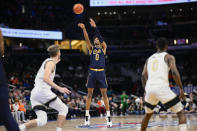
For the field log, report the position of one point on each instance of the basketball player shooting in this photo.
(96, 71)
(156, 83)
(42, 96)
(5, 113)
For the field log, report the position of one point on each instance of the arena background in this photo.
(129, 31)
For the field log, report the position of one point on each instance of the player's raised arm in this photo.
(1, 43)
(175, 73)
(103, 43)
(144, 77)
(89, 45)
(48, 70)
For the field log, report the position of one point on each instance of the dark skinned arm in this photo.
(170, 60)
(144, 77)
(103, 43)
(89, 45)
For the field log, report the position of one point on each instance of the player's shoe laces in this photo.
(109, 121)
(87, 120)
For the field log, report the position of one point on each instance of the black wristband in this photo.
(98, 34)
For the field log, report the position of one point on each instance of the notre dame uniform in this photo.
(97, 65)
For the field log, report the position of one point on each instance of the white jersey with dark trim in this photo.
(39, 80)
(158, 70)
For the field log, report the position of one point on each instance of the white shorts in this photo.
(164, 94)
(41, 96)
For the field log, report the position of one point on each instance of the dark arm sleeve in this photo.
(3, 80)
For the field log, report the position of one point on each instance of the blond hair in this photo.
(53, 50)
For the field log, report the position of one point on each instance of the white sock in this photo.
(108, 113)
(22, 127)
(183, 127)
(59, 129)
(87, 113)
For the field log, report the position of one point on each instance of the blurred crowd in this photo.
(125, 91)
(123, 104)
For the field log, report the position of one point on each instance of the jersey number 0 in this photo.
(155, 65)
(97, 57)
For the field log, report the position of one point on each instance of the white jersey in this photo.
(158, 70)
(157, 87)
(39, 80)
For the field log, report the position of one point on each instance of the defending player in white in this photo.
(156, 83)
(42, 96)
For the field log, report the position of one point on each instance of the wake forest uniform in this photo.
(41, 95)
(157, 86)
(97, 65)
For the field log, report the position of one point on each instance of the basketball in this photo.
(78, 8)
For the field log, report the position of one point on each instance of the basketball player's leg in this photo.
(39, 122)
(145, 121)
(105, 98)
(88, 103)
(89, 98)
(62, 110)
(150, 103)
(106, 102)
(171, 101)
(41, 114)
(101, 78)
(178, 108)
(5, 114)
(90, 86)
(182, 121)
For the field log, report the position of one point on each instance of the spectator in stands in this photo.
(191, 96)
(124, 104)
(79, 107)
(27, 105)
(11, 97)
(192, 107)
(131, 109)
(14, 80)
(27, 96)
(82, 103)
(109, 92)
(101, 107)
(26, 83)
(11, 107)
(16, 112)
(73, 110)
(138, 106)
(22, 111)
(113, 106)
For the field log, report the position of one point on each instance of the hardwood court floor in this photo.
(125, 123)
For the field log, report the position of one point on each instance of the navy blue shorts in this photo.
(96, 78)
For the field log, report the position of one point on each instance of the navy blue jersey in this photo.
(97, 58)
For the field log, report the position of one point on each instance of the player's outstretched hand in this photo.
(81, 25)
(64, 90)
(182, 96)
(92, 23)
